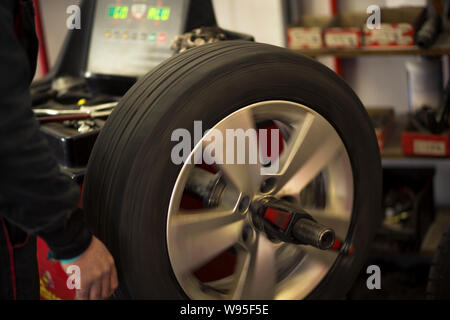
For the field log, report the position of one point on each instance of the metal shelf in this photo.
(353, 53)
(442, 47)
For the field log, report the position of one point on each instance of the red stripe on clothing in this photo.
(11, 258)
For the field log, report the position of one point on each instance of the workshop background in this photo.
(417, 183)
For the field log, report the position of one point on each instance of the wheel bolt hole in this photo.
(268, 185)
(247, 235)
(244, 204)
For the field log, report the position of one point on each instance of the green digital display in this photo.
(154, 13)
(118, 12)
(158, 14)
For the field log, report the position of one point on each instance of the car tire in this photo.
(130, 176)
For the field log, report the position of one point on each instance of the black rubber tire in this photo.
(439, 280)
(130, 175)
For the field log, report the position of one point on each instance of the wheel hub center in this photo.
(282, 221)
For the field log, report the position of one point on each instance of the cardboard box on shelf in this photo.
(345, 32)
(398, 28)
(308, 33)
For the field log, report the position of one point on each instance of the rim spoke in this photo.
(314, 265)
(240, 154)
(203, 235)
(322, 257)
(312, 147)
(255, 275)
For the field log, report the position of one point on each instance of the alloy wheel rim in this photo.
(314, 170)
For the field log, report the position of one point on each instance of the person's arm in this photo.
(34, 195)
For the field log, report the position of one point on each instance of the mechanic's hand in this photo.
(97, 272)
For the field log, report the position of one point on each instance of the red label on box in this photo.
(390, 35)
(422, 144)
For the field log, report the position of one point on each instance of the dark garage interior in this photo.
(225, 150)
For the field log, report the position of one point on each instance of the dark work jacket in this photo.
(34, 196)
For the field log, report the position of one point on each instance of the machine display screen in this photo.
(130, 37)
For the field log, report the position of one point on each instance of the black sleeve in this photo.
(34, 195)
